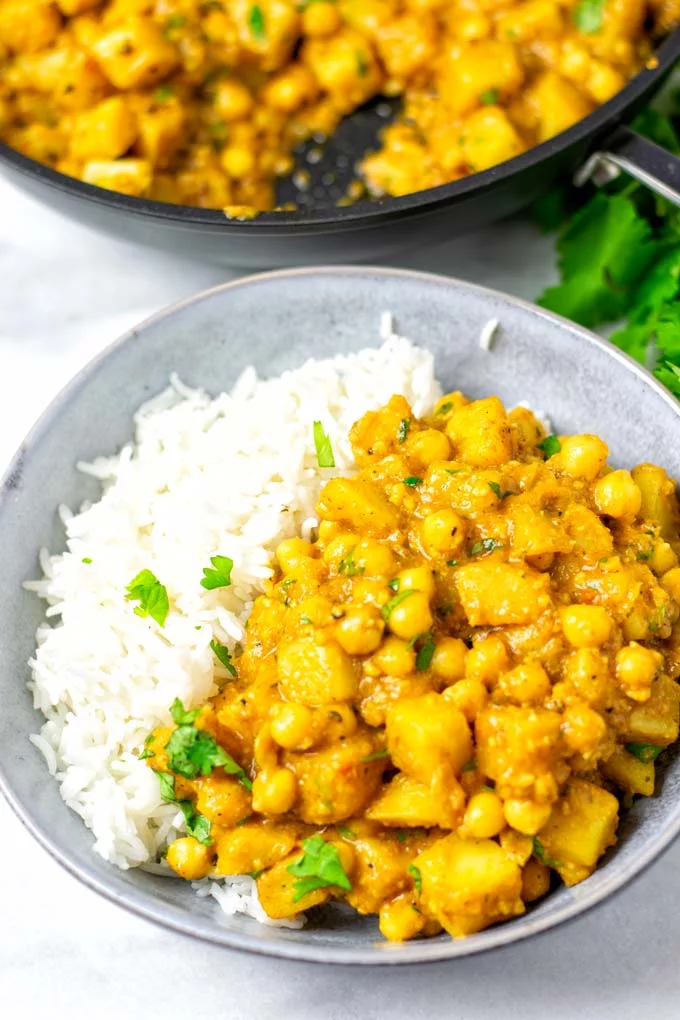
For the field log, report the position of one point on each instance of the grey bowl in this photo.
(275, 321)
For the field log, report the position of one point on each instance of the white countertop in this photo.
(64, 953)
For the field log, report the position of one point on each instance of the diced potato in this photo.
(428, 734)
(582, 825)
(479, 68)
(380, 872)
(161, 130)
(489, 138)
(316, 674)
(468, 884)
(517, 746)
(270, 36)
(536, 532)
(222, 799)
(73, 7)
(253, 846)
(558, 104)
(589, 536)
(337, 781)
(27, 26)
(135, 54)
(480, 433)
(360, 504)
(629, 773)
(70, 76)
(379, 433)
(408, 803)
(407, 44)
(657, 720)
(277, 888)
(129, 176)
(104, 132)
(532, 19)
(345, 65)
(493, 593)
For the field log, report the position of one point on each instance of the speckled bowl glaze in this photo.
(276, 321)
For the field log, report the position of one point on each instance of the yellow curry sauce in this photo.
(201, 102)
(443, 698)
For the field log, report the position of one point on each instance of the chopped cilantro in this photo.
(645, 555)
(589, 15)
(502, 494)
(550, 446)
(394, 583)
(219, 575)
(445, 407)
(485, 545)
(224, 655)
(257, 23)
(193, 752)
(362, 64)
(425, 653)
(452, 471)
(490, 97)
(417, 878)
(412, 481)
(167, 786)
(401, 835)
(348, 566)
(382, 753)
(644, 752)
(470, 766)
(305, 620)
(173, 23)
(318, 867)
(404, 428)
(345, 832)
(390, 606)
(539, 852)
(324, 450)
(163, 93)
(180, 716)
(452, 563)
(152, 596)
(86, 559)
(198, 825)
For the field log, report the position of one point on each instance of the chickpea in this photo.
(586, 626)
(448, 661)
(443, 532)
(663, 558)
(237, 161)
(274, 791)
(428, 446)
(484, 816)
(526, 816)
(232, 100)
(535, 880)
(487, 660)
(399, 920)
(291, 552)
(636, 667)
(583, 729)
(617, 495)
(361, 629)
(411, 617)
(293, 726)
(420, 578)
(320, 19)
(671, 582)
(395, 658)
(265, 750)
(581, 456)
(527, 684)
(469, 696)
(190, 859)
(289, 90)
(373, 559)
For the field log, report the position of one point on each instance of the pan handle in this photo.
(633, 154)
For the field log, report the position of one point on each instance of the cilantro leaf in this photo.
(404, 429)
(603, 252)
(489, 98)
(219, 575)
(425, 653)
(193, 752)
(167, 785)
(539, 852)
(502, 494)
(198, 825)
(256, 22)
(550, 446)
(444, 408)
(348, 566)
(394, 583)
(152, 596)
(224, 655)
(485, 545)
(390, 606)
(417, 878)
(412, 481)
(319, 867)
(589, 16)
(644, 752)
(383, 753)
(180, 716)
(324, 450)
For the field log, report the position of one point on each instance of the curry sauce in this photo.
(444, 698)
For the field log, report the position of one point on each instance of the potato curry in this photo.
(445, 697)
(202, 102)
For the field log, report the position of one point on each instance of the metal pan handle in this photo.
(646, 161)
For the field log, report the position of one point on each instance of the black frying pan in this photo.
(370, 230)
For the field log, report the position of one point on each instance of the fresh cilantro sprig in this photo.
(192, 752)
(619, 256)
(197, 824)
(151, 595)
(224, 655)
(319, 867)
(218, 575)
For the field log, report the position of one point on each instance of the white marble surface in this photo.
(65, 953)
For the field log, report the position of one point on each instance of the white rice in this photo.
(231, 476)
